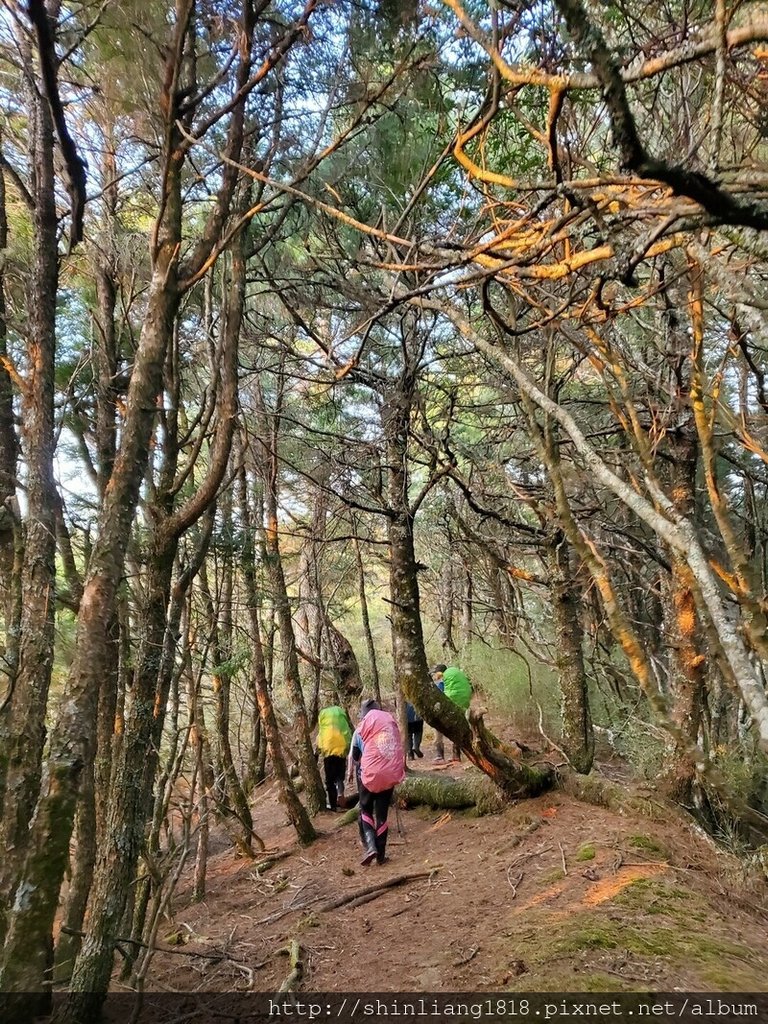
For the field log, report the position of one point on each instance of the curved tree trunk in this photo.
(500, 763)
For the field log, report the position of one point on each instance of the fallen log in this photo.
(348, 817)
(434, 789)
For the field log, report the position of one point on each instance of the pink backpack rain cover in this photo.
(382, 765)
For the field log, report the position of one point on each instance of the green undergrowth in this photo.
(649, 845)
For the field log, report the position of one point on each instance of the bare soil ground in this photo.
(552, 895)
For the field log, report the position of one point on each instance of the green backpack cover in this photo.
(334, 734)
(457, 687)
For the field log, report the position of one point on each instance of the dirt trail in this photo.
(551, 895)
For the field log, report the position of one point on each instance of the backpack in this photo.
(334, 734)
(457, 687)
(381, 766)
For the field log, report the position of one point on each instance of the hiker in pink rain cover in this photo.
(377, 753)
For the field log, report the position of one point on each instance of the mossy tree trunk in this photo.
(23, 709)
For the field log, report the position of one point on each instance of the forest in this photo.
(343, 337)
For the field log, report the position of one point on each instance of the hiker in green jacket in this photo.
(457, 687)
(334, 736)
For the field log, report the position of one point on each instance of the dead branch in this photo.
(355, 899)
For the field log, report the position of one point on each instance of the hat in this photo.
(369, 705)
(437, 668)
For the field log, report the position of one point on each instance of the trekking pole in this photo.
(400, 829)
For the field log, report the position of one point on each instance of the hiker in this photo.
(457, 687)
(415, 731)
(377, 754)
(334, 736)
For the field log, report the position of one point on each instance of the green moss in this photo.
(569, 980)
(586, 932)
(648, 844)
(552, 876)
(585, 935)
(586, 852)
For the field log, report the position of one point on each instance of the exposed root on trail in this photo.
(293, 980)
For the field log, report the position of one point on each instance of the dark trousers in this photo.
(415, 733)
(335, 769)
(374, 808)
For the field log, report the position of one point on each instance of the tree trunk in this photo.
(22, 714)
(483, 749)
(72, 745)
(10, 526)
(375, 684)
(578, 736)
(287, 793)
(83, 863)
(273, 562)
(445, 606)
(235, 802)
(685, 660)
(467, 608)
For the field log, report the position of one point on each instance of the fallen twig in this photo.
(442, 820)
(355, 899)
(531, 853)
(219, 957)
(290, 907)
(562, 854)
(514, 882)
(269, 860)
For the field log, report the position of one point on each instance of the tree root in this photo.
(293, 980)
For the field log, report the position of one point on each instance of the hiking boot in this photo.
(370, 853)
(381, 846)
(368, 833)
